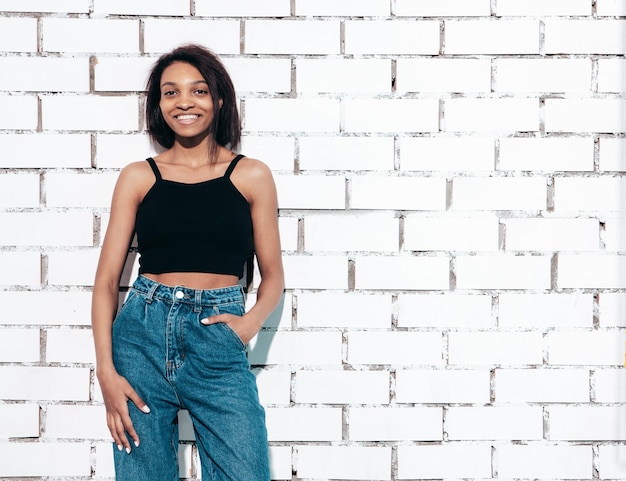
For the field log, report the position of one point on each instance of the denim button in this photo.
(179, 294)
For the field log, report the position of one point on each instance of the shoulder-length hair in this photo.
(225, 129)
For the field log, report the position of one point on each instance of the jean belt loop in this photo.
(198, 301)
(150, 295)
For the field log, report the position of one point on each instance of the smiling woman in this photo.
(200, 212)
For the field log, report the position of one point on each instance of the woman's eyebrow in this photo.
(193, 83)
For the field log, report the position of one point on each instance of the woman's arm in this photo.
(255, 182)
(115, 389)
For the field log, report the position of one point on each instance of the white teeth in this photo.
(186, 117)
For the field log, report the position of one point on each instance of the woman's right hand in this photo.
(116, 391)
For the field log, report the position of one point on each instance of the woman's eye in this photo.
(168, 93)
(201, 92)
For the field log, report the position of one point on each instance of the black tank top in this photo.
(201, 227)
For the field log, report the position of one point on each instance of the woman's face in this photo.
(186, 103)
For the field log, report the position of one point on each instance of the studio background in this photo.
(452, 215)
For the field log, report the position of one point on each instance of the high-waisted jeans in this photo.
(175, 362)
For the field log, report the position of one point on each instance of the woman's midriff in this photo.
(194, 280)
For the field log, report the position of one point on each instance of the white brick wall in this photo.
(451, 211)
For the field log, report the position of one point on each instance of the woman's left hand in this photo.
(241, 325)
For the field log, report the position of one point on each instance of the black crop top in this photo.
(201, 227)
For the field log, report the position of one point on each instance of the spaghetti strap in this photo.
(155, 169)
(232, 165)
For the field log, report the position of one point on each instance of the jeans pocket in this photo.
(231, 333)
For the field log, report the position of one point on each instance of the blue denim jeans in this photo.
(175, 362)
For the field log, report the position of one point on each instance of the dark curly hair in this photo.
(225, 128)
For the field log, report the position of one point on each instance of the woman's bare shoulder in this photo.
(136, 178)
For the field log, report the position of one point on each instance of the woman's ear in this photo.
(221, 102)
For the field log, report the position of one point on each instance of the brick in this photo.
(45, 459)
(536, 8)
(545, 310)
(495, 115)
(492, 36)
(612, 461)
(69, 189)
(19, 34)
(344, 462)
(18, 112)
(610, 385)
(49, 383)
(280, 462)
(114, 113)
(20, 268)
(118, 150)
(443, 75)
(260, 75)
(447, 154)
(588, 270)
(443, 8)
(302, 191)
(400, 37)
(32, 74)
(544, 462)
(581, 423)
(76, 422)
(81, 340)
(46, 308)
(316, 272)
(162, 35)
(282, 314)
(47, 6)
(31, 150)
(391, 115)
(437, 461)
(585, 115)
(19, 345)
(292, 115)
(402, 272)
(541, 385)
(288, 229)
(397, 348)
(348, 8)
(585, 36)
(107, 76)
(610, 8)
(494, 423)
(612, 154)
(360, 232)
(242, 8)
(303, 424)
(342, 387)
(75, 268)
(451, 233)
(274, 386)
(581, 348)
(444, 310)
(304, 348)
(544, 75)
(442, 386)
(348, 310)
(395, 424)
(611, 75)
(19, 190)
(398, 193)
(276, 152)
(552, 234)
(19, 421)
(46, 229)
(144, 7)
(346, 153)
(546, 154)
(97, 35)
(588, 194)
(343, 75)
(495, 348)
(499, 193)
(503, 272)
(611, 308)
(292, 37)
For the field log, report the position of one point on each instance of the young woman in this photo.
(179, 340)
